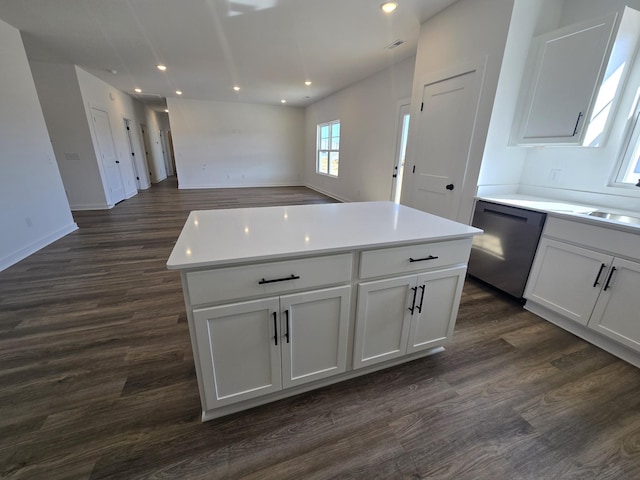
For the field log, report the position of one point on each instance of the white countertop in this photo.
(571, 211)
(219, 237)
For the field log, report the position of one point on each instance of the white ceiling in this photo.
(267, 47)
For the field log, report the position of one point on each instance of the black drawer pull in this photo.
(292, 277)
(608, 284)
(275, 328)
(597, 282)
(413, 303)
(430, 257)
(419, 307)
(286, 315)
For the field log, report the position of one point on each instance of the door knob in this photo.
(449, 187)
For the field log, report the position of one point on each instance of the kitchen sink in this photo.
(617, 217)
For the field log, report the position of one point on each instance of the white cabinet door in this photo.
(382, 320)
(436, 308)
(239, 351)
(314, 333)
(561, 83)
(567, 279)
(617, 313)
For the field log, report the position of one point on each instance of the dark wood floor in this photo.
(97, 379)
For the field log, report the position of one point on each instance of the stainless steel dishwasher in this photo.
(503, 255)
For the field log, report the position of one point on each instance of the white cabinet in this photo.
(617, 313)
(238, 354)
(403, 315)
(254, 348)
(270, 295)
(579, 281)
(561, 83)
(567, 279)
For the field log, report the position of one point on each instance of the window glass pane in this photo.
(334, 160)
(324, 131)
(335, 136)
(323, 162)
(324, 144)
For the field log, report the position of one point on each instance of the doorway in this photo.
(145, 145)
(108, 156)
(138, 162)
(401, 152)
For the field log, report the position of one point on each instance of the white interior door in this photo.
(108, 155)
(444, 131)
(139, 163)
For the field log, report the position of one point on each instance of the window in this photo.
(328, 159)
(629, 171)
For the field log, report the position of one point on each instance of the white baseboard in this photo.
(243, 185)
(328, 194)
(32, 248)
(90, 206)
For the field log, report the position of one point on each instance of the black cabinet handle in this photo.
(291, 277)
(607, 285)
(275, 327)
(286, 316)
(575, 129)
(419, 308)
(413, 303)
(597, 282)
(430, 257)
(449, 187)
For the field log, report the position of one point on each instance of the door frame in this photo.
(469, 182)
(98, 151)
(396, 182)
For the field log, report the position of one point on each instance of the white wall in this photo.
(465, 33)
(585, 172)
(502, 165)
(65, 115)
(368, 112)
(229, 144)
(34, 210)
(119, 105)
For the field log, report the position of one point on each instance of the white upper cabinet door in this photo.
(617, 313)
(562, 79)
(239, 350)
(382, 320)
(436, 309)
(567, 279)
(314, 334)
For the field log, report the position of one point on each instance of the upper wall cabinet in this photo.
(572, 82)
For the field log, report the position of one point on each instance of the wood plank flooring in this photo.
(97, 379)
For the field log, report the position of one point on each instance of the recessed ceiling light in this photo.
(236, 88)
(162, 68)
(137, 90)
(307, 83)
(283, 101)
(178, 92)
(389, 7)
(166, 110)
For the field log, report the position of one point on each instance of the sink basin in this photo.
(617, 217)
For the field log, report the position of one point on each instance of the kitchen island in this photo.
(282, 300)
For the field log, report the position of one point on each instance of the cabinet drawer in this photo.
(389, 261)
(209, 286)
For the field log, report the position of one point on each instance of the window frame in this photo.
(328, 150)
(629, 153)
